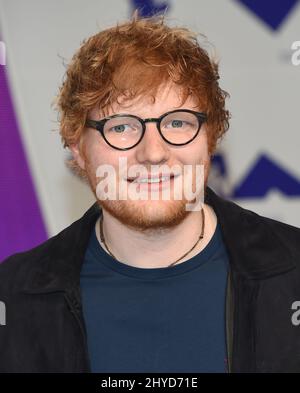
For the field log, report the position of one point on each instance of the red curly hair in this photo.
(132, 59)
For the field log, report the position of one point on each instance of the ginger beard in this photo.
(147, 215)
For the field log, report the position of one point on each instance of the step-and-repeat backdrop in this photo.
(258, 162)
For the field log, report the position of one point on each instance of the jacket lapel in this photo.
(258, 247)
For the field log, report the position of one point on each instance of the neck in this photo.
(158, 248)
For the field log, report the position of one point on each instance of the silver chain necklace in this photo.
(173, 263)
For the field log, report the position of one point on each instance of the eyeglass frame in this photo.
(99, 126)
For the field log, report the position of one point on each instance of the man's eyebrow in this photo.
(133, 113)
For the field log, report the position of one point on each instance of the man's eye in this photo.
(177, 123)
(120, 128)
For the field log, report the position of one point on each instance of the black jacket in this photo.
(45, 329)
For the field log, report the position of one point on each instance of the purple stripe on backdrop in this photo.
(21, 223)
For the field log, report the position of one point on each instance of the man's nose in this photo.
(152, 149)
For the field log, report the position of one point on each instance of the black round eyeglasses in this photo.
(125, 131)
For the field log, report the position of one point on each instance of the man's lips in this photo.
(149, 178)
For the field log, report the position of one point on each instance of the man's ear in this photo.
(77, 154)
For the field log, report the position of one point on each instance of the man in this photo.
(151, 284)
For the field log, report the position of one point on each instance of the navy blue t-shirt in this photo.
(169, 319)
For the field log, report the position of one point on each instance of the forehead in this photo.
(167, 98)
